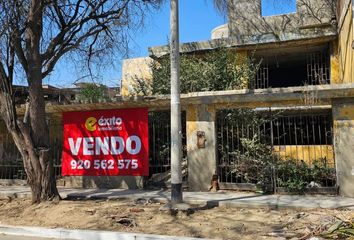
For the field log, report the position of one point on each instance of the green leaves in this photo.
(92, 92)
(295, 175)
(213, 71)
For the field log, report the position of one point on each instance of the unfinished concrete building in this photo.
(308, 54)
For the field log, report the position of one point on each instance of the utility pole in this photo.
(176, 127)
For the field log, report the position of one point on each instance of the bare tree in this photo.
(34, 36)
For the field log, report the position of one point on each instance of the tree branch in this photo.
(74, 26)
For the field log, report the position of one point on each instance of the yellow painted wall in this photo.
(133, 69)
(346, 52)
(335, 63)
(307, 153)
(343, 117)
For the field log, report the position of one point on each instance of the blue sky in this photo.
(197, 19)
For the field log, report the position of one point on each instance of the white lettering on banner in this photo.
(102, 146)
(104, 164)
(137, 148)
(110, 121)
(114, 149)
(106, 145)
(80, 164)
(74, 148)
(127, 164)
(88, 146)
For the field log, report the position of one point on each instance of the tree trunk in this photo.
(36, 158)
(36, 149)
(37, 163)
(42, 181)
(40, 174)
(31, 135)
(36, 155)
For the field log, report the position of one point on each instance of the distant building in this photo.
(64, 95)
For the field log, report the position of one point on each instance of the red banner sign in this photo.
(108, 142)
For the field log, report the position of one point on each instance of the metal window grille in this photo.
(318, 71)
(262, 76)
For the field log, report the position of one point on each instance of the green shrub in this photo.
(295, 175)
(212, 71)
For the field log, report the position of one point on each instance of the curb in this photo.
(61, 233)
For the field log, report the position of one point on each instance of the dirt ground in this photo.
(146, 217)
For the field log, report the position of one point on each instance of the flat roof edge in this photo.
(249, 42)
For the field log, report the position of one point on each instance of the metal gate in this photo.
(275, 149)
(159, 148)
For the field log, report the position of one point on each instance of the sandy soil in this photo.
(145, 217)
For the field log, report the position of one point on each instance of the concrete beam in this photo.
(273, 97)
(263, 41)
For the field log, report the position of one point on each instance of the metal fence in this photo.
(275, 148)
(159, 146)
(11, 165)
(56, 143)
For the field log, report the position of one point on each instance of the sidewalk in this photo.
(20, 232)
(222, 198)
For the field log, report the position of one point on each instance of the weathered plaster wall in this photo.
(343, 129)
(201, 161)
(132, 69)
(107, 182)
(346, 47)
(245, 19)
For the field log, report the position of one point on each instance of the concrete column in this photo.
(343, 130)
(201, 159)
